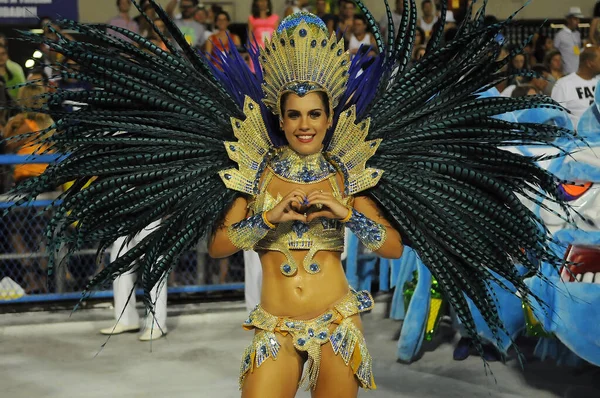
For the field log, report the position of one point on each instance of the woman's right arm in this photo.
(240, 232)
(220, 245)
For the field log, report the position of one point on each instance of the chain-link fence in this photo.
(24, 261)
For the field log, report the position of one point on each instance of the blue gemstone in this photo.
(247, 359)
(332, 46)
(251, 106)
(248, 320)
(303, 32)
(301, 342)
(292, 42)
(375, 174)
(290, 325)
(324, 43)
(327, 317)
(238, 125)
(286, 268)
(311, 333)
(323, 335)
(228, 176)
(344, 62)
(263, 350)
(232, 148)
(282, 41)
(313, 43)
(340, 52)
(314, 267)
(373, 144)
(338, 336)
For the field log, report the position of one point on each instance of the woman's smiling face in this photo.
(305, 121)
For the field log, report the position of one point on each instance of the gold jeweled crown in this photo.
(302, 58)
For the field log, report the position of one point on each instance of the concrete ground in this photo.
(53, 355)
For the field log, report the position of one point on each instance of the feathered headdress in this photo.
(301, 58)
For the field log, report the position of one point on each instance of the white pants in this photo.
(252, 279)
(125, 311)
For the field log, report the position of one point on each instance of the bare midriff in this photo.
(303, 295)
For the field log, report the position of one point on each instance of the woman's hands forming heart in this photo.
(297, 206)
(326, 205)
(289, 209)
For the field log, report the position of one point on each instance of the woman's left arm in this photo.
(364, 219)
(392, 245)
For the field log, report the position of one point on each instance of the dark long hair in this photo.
(256, 11)
(597, 10)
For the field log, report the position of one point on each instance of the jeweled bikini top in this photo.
(319, 234)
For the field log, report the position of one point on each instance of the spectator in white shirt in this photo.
(576, 91)
(568, 41)
(428, 19)
(360, 37)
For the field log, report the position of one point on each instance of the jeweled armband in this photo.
(370, 233)
(247, 233)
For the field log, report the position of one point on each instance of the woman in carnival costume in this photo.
(277, 161)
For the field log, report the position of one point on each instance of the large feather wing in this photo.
(148, 145)
(447, 184)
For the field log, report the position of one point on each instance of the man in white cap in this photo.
(568, 41)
